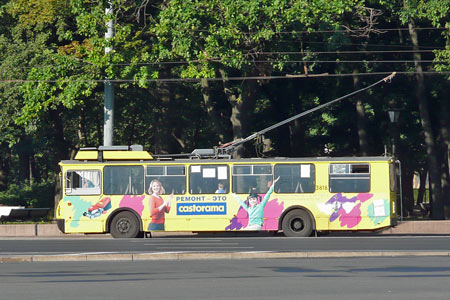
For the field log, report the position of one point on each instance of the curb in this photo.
(212, 256)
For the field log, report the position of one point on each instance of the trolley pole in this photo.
(108, 111)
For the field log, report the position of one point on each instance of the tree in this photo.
(413, 10)
(231, 38)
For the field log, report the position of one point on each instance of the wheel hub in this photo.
(123, 226)
(297, 225)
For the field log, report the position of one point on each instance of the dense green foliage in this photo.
(193, 74)
(34, 195)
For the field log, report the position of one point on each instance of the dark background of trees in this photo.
(194, 74)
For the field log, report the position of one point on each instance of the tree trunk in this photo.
(242, 105)
(99, 128)
(297, 134)
(83, 135)
(160, 129)
(23, 149)
(445, 133)
(30, 168)
(5, 158)
(445, 178)
(79, 143)
(360, 119)
(437, 211)
(284, 96)
(210, 110)
(407, 188)
(60, 145)
(163, 141)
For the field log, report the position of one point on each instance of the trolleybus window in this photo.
(123, 180)
(349, 178)
(172, 178)
(295, 178)
(205, 179)
(246, 177)
(83, 182)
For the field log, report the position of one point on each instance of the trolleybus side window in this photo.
(123, 180)
(205, 179)
(246, 177)
(83, 182)
(295, 178)
(172, 178)
(349, 178)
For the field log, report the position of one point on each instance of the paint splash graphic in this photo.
(134, 202)
(272, 212)
(79, 206)
(346, 210)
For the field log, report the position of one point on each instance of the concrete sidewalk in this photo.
(51, 230)
(420, 227)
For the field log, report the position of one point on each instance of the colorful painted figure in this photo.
(98, 209)
(255, 207)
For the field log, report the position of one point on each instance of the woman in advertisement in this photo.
(158, 207)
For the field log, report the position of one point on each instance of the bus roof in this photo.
(136, 154)
(133, 152)
(128, 160)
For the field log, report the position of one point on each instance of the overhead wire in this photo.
(337, 30)
(358, 44)
(311, 61)
(231, 146)
(238, 78)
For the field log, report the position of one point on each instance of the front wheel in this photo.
(297, 223)
(125, 225)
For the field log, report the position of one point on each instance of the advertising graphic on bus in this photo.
(126, 195)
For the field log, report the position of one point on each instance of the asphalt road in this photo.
(52, 246)
(400, 278)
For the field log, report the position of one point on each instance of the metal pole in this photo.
(393, 147)
(108, 112)
(400, 186)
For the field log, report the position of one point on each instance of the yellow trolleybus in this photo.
(125, 191)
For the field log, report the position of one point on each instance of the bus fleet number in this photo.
(322, 187)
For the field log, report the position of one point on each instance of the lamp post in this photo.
(394, 114)
(108, 110)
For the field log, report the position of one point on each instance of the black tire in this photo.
(125, 225)
(297, 223)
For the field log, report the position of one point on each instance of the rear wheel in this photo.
(125, 225)
(297, 223)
